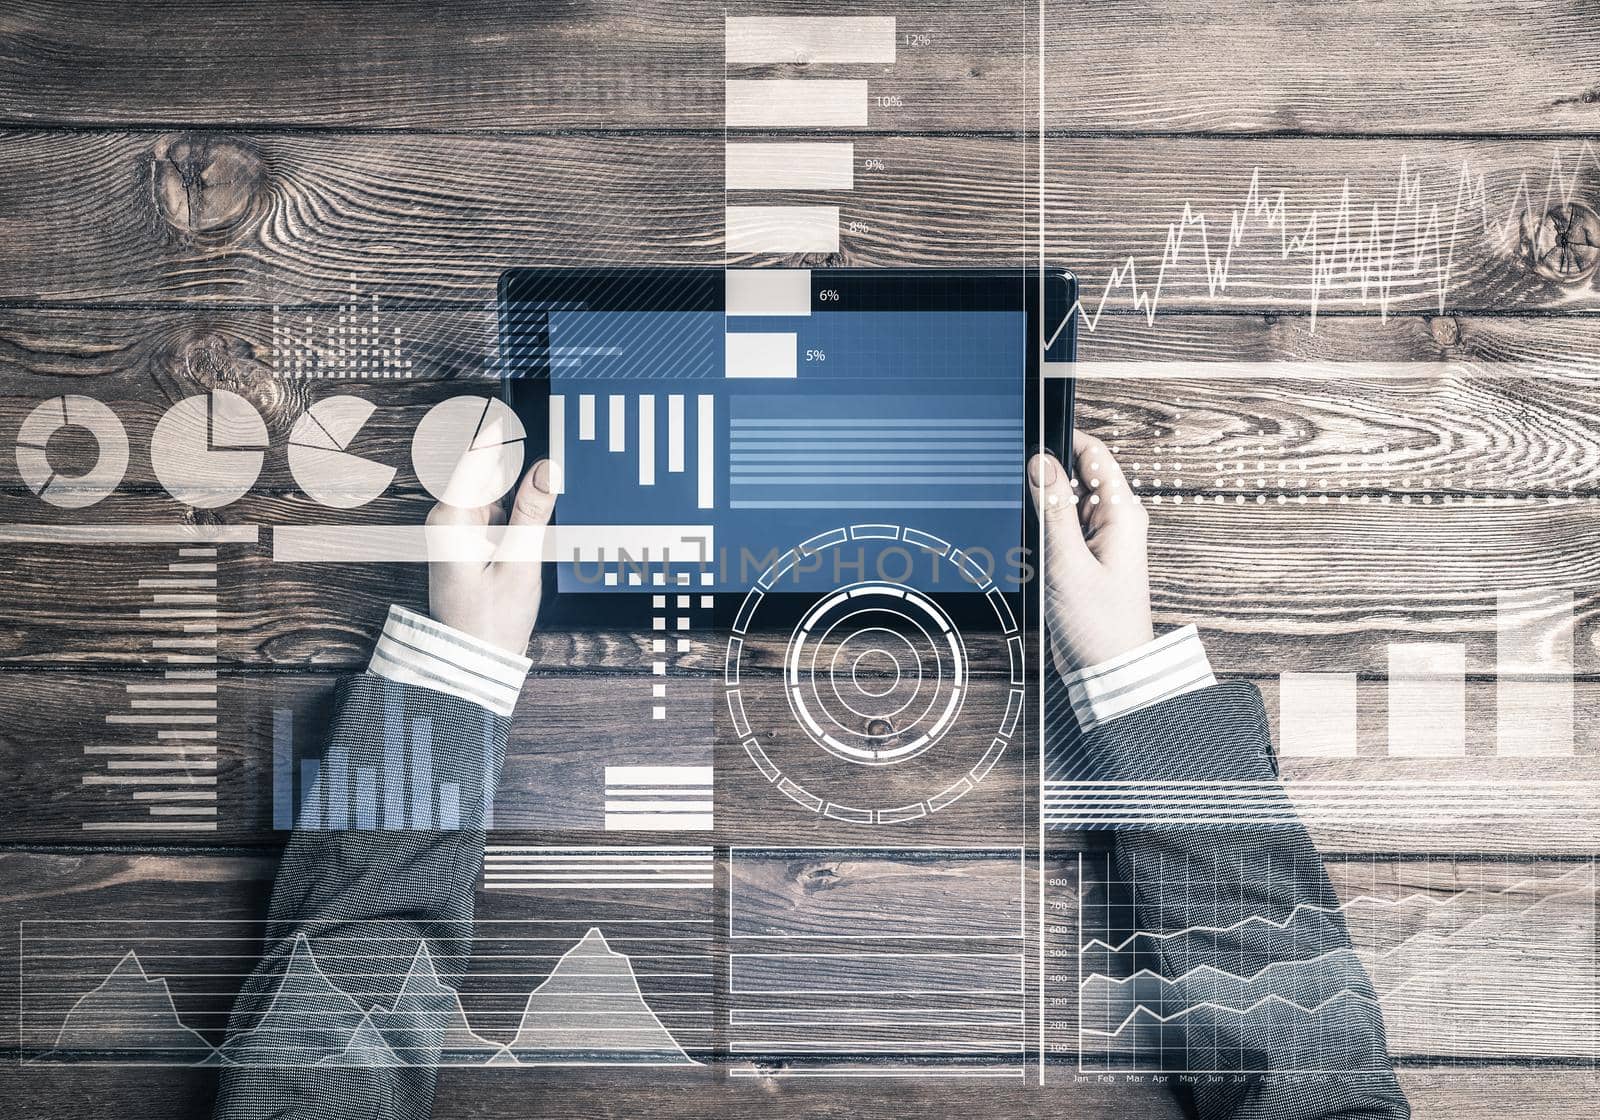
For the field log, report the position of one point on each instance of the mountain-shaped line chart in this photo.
(588, 1009)
(1465, 962)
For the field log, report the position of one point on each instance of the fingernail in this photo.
(1042, 470)
(541, 476)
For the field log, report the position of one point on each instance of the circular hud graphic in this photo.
(884, 726)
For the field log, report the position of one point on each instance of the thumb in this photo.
(1061, 536)
(531, 511)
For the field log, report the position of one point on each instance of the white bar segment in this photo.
(778, 40)
(807, 103)
(617, 427)
(558, 444)
(800, 166)
(657, 776)
(1427, 700)
(1317, 715)
(413, 544)
(647, 439)
(129, 534)
(675, 433)
(783, 229)
(759, 354)
(705, 436)
(1534, 638)
(767, 291)
(586, 416)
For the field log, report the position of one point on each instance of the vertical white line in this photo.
(558, 443)
(675, 433)
(618, 422)
(705, 437)
(1039, 46)
(586, 416)
(647, 439)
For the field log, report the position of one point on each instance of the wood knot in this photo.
(1445, 329)
(1564, 245)
(206, 187)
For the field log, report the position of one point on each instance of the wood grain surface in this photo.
(1240, 184)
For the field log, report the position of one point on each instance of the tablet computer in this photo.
(717, 432)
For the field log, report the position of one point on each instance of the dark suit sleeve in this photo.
(369, 930)
(1244, 900)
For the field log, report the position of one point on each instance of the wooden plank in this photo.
(1492, 68)
(130, 1093)
(1477, 429)
(1310, 586)
(1470, 957)
(523, 66)
(569, 727)
(280, 218)
(566, 731)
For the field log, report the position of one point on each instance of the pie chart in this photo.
(72, 491)
(320, 461)
(481, 436)
(207, 450)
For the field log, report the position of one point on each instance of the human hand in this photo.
(490, 592)
(1096, 577)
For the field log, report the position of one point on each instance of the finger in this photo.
(1112, 514)
(1056, 504)
(531, 511)
(475, 479)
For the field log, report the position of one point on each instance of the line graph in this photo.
(1463, 960)
(1371, 251)
(541, 992)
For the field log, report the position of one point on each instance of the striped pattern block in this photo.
(658, 798)
(525, 868)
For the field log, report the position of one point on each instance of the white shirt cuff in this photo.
(1172, 665)
(416, 650)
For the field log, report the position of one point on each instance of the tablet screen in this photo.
(808, 402)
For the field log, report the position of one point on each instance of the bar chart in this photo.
(1427, 696)
(639, 414)
(398, 790)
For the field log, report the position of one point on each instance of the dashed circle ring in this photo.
(876, 674)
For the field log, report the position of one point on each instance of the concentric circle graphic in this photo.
(878, 681)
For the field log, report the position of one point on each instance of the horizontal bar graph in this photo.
(778, 40)
(415, 544)
(757, 354)
(810, 103)
(783, 229)
(794, 166)
(768, 291)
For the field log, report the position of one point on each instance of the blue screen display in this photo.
(771, 430)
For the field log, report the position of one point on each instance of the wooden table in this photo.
(172, 178)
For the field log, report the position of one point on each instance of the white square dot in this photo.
(658, 624)
(659, 668)
(683, 645)
(611, 579)
(683, 622)
(659, 645)
(683, 577)
(683, 602)
(659, 578)
(658, 712)
(658, 690)
(659, 602)
(707, 579)
(707, 602)
(634, 580)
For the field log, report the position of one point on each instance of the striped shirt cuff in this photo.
(1172, 665)
(416, 650)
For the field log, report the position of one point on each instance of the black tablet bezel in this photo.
(1049, 401)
